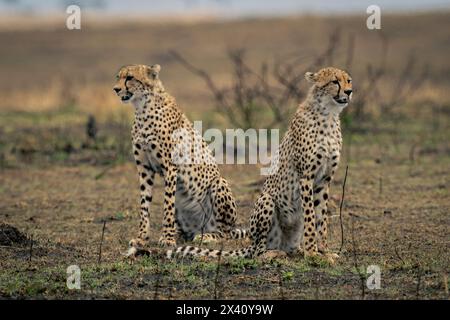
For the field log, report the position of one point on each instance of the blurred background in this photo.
(66, 164)
(254, 51)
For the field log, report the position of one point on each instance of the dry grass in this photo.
(404, 230)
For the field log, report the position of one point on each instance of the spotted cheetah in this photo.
(198, 202)
(290, 215)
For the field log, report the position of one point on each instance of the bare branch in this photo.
(219, 95)
(216, 279)
(340, 210)
(101, 243)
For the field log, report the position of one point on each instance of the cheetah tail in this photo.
(238, 234)
(199, 252)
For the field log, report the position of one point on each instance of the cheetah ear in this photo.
(310, 77)
(154, 71)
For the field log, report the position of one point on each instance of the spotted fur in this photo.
(290, 215)
(198, 202)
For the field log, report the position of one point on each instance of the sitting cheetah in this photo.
(290, 215)
(197, 201)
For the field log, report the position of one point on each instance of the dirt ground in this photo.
(401, 226)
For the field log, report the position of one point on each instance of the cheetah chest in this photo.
(328, 153)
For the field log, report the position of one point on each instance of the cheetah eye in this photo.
(128, 78)
(349, 80)
(336, 82)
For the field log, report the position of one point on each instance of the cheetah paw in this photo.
(137, 243)
(316, 257)
(167, 242)
(199, 238)
(131, 253)
(273, 254)
(331, 257)
(136, 248)
(310, 253)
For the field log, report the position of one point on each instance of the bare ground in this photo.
(402, 227)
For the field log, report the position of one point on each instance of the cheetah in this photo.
(198, 203)
(290, 215)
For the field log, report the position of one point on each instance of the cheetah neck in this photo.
(151, 105)
(322, 106)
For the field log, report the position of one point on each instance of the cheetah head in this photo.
(135, 81)
(332, 84)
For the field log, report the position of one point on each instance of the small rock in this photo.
(10, 235)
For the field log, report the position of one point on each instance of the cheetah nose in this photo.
(348, 92)
(116, 90)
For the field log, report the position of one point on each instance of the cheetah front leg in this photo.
(321, 196)
(146, 180)
(309, 233)
(321, 192)
(167, 238)
(260, 225)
